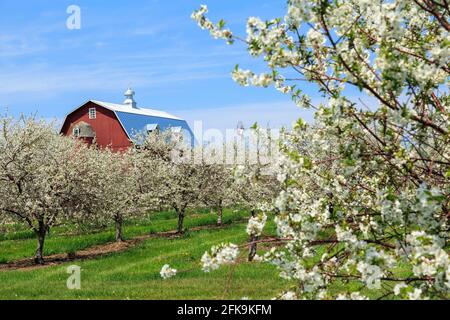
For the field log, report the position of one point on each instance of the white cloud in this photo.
(42, 80)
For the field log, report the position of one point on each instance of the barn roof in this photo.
(136, 120)
(138, 111)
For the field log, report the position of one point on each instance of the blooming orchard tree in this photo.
(45, 179)
(256, 185)
(150, 158)
(173, 178)
(365, 188)
(216, 190)
(118, 190)
(182, 185)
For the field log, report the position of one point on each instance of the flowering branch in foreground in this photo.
(365, 188)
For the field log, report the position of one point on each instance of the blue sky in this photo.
(153, 45)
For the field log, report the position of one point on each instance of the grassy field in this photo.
(134, 273)
(20, 243)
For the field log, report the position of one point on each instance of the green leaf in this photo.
(307, 163)
(300, 124)
(447, 174)
(221, 24)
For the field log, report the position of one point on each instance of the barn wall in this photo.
(108, 130)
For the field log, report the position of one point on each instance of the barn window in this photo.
(92, 113)
(76, 132)
(152, 128)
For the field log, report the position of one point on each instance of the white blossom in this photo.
(220, 255)
(167, 272)
(289, 295)
(256, 225)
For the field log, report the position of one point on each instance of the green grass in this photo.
(22, 243)
(134, 274)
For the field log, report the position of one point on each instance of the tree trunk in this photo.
(119, 235)
(219, 215)
(39, 257)
(253, 245)
(181, 214)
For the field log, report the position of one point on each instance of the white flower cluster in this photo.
(430, 258)
(246, 78)
(167, 272)
(406, 291)
(242, 77)
(289, 295)
(220, 255)
(314, 38)
(298, 12)
(217, 31)
(373, 268)
(352, 296)
(256, 225)
(280, 86)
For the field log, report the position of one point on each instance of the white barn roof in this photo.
(140, 111)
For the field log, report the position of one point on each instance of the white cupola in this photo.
(129, 101)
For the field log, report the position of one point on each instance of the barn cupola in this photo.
(129, 101)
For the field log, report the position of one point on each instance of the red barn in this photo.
(116, 125)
